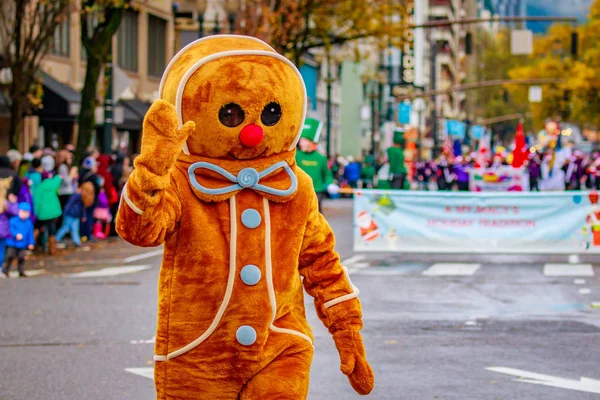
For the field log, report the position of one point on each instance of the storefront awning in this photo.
(134, 111)
(70, 96)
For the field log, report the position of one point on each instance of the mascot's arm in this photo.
(150, 205)
(336, 298)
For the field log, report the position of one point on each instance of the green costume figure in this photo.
(395, 155)
(367, 172)
(314, 163)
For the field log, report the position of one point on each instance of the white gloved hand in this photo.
(333, 189)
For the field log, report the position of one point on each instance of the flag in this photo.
(457, 148)
(520, 151)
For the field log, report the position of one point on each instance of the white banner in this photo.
(467, 222)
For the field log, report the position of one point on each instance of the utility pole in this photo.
(328, 106)
(373, 125)
(433, 80)
(108, 107)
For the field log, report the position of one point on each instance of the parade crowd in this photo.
(448, 172)
(49, 199)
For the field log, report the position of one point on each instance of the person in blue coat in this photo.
(21, 240)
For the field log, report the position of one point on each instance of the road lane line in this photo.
(585, 291)
(568, 270)
(583, 384)
(579, 281)
(145, 372)
(110, 271)
(143, 256)
(451, 269)
(348, 262)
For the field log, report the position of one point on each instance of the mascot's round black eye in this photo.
(231, 115)
(271, 114)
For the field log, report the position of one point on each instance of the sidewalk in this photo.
(109, 252)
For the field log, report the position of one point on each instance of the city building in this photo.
(141, 49)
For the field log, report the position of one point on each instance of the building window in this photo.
(61, 42)
(157, 43)
(128, 42)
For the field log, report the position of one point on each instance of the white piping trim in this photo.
(269, 268)
(345, 297)
(228, 291)
(180, 53)
(129, 202)
(231, 53)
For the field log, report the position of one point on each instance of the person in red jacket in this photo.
(104, 163)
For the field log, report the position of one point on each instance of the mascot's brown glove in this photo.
(162, 142)
(353, 360)
(153, 206)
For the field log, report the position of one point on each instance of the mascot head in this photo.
(247, 101)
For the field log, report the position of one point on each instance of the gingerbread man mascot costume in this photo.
(217, 183)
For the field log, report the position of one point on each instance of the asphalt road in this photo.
(428, 335)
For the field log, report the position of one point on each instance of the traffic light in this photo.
(469, 43)
(574, 43)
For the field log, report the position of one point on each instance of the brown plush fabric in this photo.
(292, 240)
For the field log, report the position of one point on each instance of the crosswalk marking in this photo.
(568, 270)
(348, 262)
(110, 271)
(145, 372)
(451, 269)
(143, 256)
(400, 269)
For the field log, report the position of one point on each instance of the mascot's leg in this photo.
(285, 378)
(181, 379)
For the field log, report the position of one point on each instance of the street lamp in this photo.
(232, 8)
(373, 89)
(201, 6)
(329, 80)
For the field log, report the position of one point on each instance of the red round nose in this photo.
(251, 135)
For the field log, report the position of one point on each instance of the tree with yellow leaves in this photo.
(293, 27)
(577, 98)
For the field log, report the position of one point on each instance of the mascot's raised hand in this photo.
(162, 140)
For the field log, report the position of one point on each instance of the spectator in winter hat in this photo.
(15, 157)
(48, 164)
